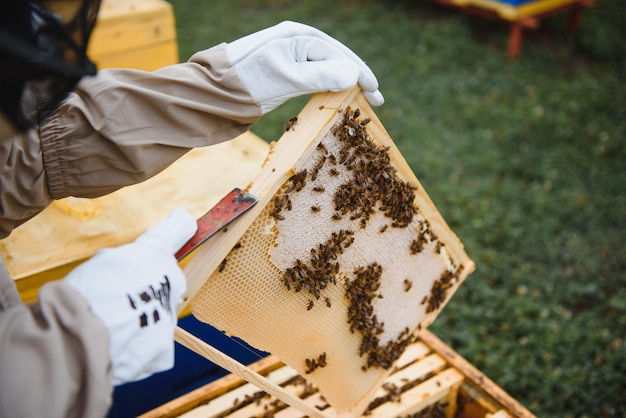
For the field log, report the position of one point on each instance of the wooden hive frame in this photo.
(316, 120)
(429, 380)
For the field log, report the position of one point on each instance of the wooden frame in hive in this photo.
(344, 253)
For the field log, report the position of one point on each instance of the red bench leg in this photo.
(515, 39)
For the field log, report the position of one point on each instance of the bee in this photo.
(290, 124)
(407, 285)
(315, 208)
(298, 181)
(277, 216)
(314, 172)
(328, 303)
(311, 365)
(321, 361)
(310, 305)
(333, 172)
(222, 265)
(383, 228)
(319, 189)
(417, 245)
(317, 167)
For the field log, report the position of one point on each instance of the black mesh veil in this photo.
(43, 54)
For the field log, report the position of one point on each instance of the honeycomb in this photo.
(340, 270)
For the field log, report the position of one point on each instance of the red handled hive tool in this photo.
(233, 205)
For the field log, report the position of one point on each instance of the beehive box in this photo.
(138, 34)
(344, 253)
(430, 380)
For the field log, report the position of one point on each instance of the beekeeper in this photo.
(65, 131)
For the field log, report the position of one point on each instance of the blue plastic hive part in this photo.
(515, 2)
(190, 372)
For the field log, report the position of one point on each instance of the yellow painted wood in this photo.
(501, 414)
(138, 34)
(147, 58)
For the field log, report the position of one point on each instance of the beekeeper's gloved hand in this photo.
(292, 59)
(135, 290)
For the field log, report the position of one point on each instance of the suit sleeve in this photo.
(122, 127)
(55, 358)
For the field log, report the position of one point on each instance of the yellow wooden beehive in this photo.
(344, 253)
(138, 34)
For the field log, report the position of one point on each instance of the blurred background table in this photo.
(521, 14)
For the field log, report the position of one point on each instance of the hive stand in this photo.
(521, 17)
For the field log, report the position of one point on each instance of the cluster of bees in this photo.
(312, 364)
(321, 268)
(374, 185)
(361, 292)
(440, 289)
(371, 185)
(425, 236)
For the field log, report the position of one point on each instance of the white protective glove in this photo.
(292, 59)
(135, 289)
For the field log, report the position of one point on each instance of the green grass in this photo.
(526, 161)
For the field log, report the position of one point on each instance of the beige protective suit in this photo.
(118, 128)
